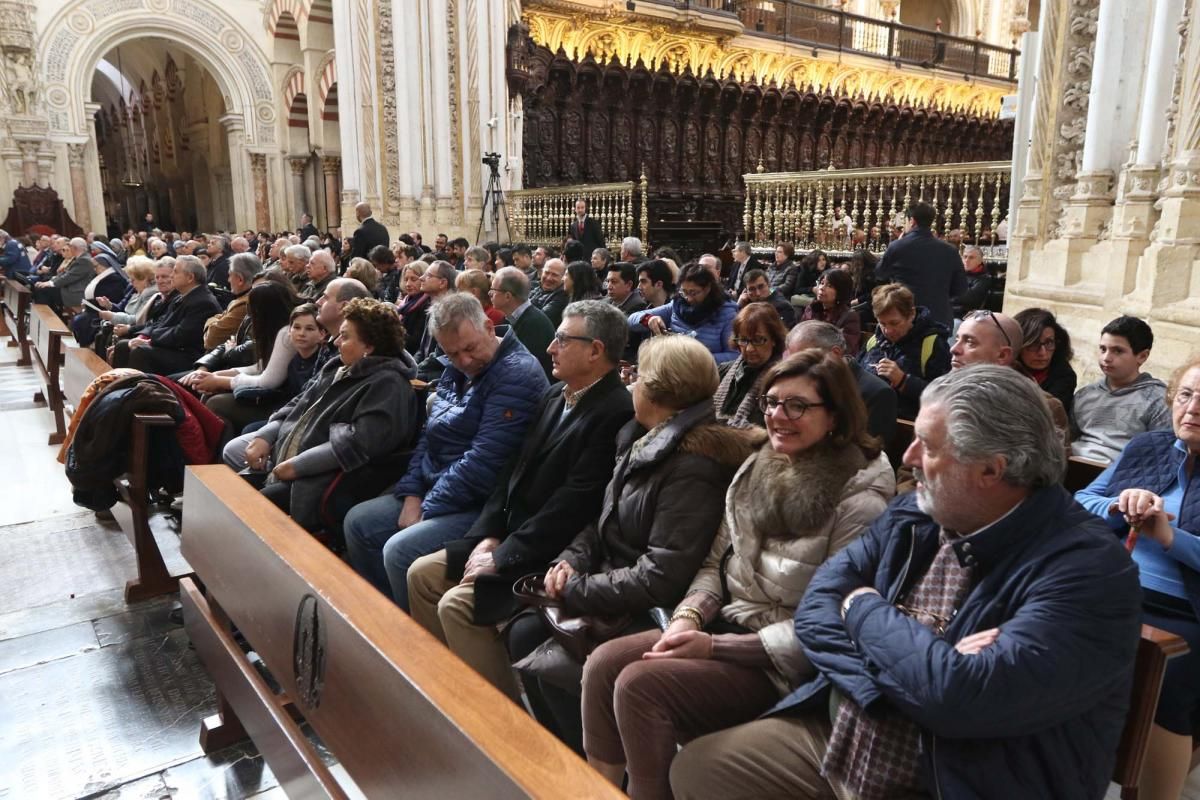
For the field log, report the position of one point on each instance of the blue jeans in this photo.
(382, 555)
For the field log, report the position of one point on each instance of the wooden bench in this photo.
(47, 332)
(16, 317)
(1081, 472)
(1154, 650)
(901, 439)
(402, 714)
(81, 367)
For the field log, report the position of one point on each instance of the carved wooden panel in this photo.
(696, 137)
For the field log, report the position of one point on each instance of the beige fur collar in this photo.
(784, 499)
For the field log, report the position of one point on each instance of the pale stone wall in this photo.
(1109, 219)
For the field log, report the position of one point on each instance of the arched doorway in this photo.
(236, 117)
(160, 139)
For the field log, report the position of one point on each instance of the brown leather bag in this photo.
(579, 636)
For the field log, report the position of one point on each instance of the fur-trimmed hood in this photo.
(694, 431)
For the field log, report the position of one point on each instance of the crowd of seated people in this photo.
(693, 459)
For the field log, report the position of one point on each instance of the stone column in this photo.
(29, 162)
(298, 164)
(1160, 71)
(262, 205)
(79, 194)
(331, 168)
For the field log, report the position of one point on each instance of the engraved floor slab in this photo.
(89, 723)
(231, 774)
(38, 648)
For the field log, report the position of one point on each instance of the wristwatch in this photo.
(849, 599)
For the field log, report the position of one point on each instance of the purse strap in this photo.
(531, 590)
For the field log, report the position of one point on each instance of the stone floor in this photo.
(99, 699)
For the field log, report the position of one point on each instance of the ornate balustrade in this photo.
(541, 216)
(801, 207)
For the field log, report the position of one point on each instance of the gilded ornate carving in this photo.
(630, 42)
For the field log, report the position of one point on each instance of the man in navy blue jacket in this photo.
(978, 641)
(929, 267)
(13, 258)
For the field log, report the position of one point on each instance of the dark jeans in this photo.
(556, 709)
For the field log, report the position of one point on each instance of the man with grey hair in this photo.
(295, 264)
(550, 295)
(321, 270)
(877, 395)
(218, 260)
(631, 250)
(979, 639)
(13, 258)
(543, 499)
(240, 244)
(218, 328)
(477, 258)
(481, 410)
(65, 290)
(436, 282)
(173, 341)
(979, 283)
(510, 294)
(743, 262)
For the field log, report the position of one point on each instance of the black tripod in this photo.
(493, 198)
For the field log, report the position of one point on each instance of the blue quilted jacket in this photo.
(714, 332)
(1036, 715)
(472, 430)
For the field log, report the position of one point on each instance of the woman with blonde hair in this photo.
(413, 306)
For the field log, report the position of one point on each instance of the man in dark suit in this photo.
(174, 341)
(65, 289)
(218, 261)
(931, 269)
(510, 294)
(369, 234)
(544, 497)
(585, 229)
(307, 228)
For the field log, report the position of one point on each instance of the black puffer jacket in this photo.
(660, 513)
(922, 353)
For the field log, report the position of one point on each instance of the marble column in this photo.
(298, 166)
(262, 205)
(331, 168)
(75, 160)
(1160, 72)
(29, 162)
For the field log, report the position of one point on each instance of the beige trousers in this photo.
(447, 609)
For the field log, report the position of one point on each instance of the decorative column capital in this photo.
(75, 154)
(298, 165)
(29, 150)
(258, 163)
(331, 165)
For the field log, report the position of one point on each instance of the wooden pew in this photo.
(1154, 650)
(47, 332)
(403, 715)
(16, 317)
(900, 441)
(1081, 472)
(133, 513)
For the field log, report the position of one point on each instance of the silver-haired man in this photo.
(977, 641)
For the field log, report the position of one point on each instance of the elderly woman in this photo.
(413, 306)
(909, 350)
(1154, 488)
(1046, 354)
(730, 651)
(834, 298)
(364, 272)
(760, 338)
(142, 289)
(701, 310)
(106, 288)
(660, 512)
(360, 406)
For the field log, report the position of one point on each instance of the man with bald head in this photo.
(550, 295)
(369, 234)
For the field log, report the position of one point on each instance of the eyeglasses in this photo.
(1048, 345)
(1184, 397)
(793, 407)
(693, 294)
(562, 338)
(757, 341)
(984, 313)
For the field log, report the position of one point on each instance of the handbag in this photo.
(579, 636)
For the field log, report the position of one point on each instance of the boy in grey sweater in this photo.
(1126, 401)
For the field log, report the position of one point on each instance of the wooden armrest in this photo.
(153, 420)
(419, 384)
(1171, 644)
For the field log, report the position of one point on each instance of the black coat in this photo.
(591, 237)
(307, 231)
(926, 335)
(929, 267)
(979, 285)
(547, 493)
(369, 234)
(880, 400)
(181, 326)
(218, 271)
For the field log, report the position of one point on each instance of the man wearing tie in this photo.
(585, 229)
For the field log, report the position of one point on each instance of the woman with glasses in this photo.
(1046, 354)
(701, 310)
(730, 651)
(1152, 490)
(834, 296)
(413, 306)
(760, 337)
(660, 512)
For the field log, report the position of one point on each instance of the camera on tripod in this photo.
(492, 160)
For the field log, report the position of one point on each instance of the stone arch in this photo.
(327, 73)
(79, 35)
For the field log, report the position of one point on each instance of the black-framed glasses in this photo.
(984, 313)
(793, 407)
(562, 338)
(755, 341)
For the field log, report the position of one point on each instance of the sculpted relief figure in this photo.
(21, 84)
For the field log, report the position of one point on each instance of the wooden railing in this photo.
(541, 216)
(802, 207)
